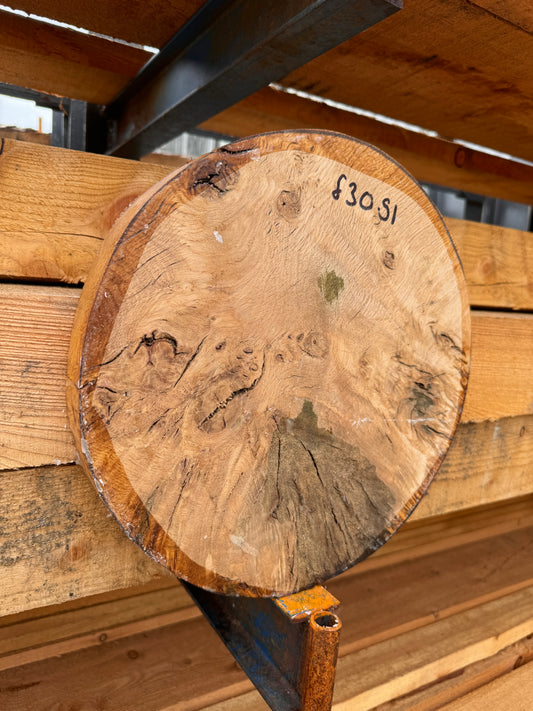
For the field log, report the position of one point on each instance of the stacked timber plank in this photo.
(441, 615)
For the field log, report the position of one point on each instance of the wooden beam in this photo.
(52, 229)
(68, 630)
(60, 61)
(50, 551)
(499, 386)
(423, 536)
(498, 264)
(55, 527)
(488, 461)
(429, 159)
(449, 67)
(57, 205)
(34, 358)
(29, 135)
(130, 20)
(399, 665)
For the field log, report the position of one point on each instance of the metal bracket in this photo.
(69, 116)
(287, 646)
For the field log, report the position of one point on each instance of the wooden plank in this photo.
(446, 601)
(180, 667)
(25, 642)
(35, 328)
(60, 61)
(396, 666)
(25, 134)
(34, 358)
(76, 604)
(429, 159)
(53, 531)
(501, 376)
(498, 264)
(433, 696)
(52, 227)
(450, 67)
(62, 525)
(411, 594)
(131, 20)
(512, 692)
(486, 462)
(51, 230)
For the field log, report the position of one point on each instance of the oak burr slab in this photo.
(269, 361)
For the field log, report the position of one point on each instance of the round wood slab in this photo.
(269, 361)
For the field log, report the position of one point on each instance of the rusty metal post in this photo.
(319, 661)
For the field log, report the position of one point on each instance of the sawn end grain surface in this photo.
(269, 361)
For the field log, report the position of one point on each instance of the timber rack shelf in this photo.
(442, 615)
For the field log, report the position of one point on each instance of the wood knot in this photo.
(289, 204)
(314, 344)
(236, 379)
(215, 174)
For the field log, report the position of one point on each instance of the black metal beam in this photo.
(48, 101)
(227, 51)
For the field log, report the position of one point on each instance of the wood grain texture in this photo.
(133, 21)
(429, 159)
(53, 532)
(33, 405)
(57, 205)
(25, 134)
(424, 536)
(488, 461)
(512, 692)
(60, 61)
(516, 12)
(451, 67)
(35, 326)
(56, 496)
(67, 630)
(498, 264)
(52, 229)
(434, 695)
(184, 665)
(181, 354)
(499, 337)
(397, 666)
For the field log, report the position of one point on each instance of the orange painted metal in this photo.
(300, 605)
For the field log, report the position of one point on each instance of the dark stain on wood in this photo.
(330, 285)
(351, 507)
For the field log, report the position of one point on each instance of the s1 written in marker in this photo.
(364, 200)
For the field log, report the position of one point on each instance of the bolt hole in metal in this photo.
(325, 620)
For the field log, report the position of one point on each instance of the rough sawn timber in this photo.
(430, 159)
(52, 229)
(35, 431)
(215, 423)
